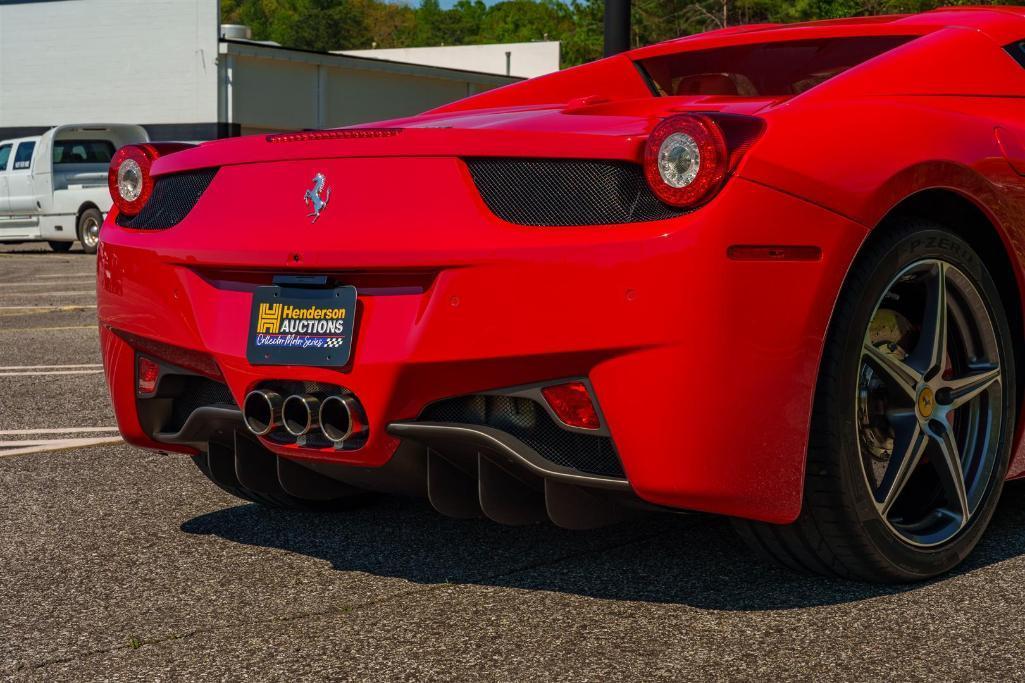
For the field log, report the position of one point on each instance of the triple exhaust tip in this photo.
(262, 411)
(337, 416)
(300, 414)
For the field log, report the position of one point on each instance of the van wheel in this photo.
(89, 223)
(61, 247)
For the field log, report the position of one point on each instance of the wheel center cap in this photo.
(926, 402)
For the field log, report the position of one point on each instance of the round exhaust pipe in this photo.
(300, 414)
(261, 411)
(340, 418)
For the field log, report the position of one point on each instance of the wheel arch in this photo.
(85, 206)
(970, 220)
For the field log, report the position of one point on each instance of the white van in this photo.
(53, 186)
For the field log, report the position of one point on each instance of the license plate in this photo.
(297, 326)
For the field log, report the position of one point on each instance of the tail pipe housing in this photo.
(341, 418)
(300, 414)
(261, 411)
(312, 416)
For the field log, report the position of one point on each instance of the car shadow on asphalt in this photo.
(669, 559)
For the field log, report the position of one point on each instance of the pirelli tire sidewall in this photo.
(919, 240)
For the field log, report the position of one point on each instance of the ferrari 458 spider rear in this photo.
(769, 272)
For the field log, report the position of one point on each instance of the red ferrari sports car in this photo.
(769, 272)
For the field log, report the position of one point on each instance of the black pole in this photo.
(617, 26)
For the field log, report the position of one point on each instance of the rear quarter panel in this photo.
(925, 118)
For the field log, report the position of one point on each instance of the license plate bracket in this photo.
(301, 326)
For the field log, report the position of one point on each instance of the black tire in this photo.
(61, 247)
(844, 529)
(283, 501)
(88, 229)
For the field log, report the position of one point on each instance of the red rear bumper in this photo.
(704, 367)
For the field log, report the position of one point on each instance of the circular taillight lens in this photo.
(129, 178)
(685, 160)
(679, 160)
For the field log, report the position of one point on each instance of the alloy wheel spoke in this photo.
(902, 374)
(941, 351)
(902, 465)
(931, 351)
(963, 389)
(951, 473)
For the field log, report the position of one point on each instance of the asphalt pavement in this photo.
(120, 564)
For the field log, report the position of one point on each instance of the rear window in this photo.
(1017, 50)
(5, 154)
(764, 69)
(82, 152)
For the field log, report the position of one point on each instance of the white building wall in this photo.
(117, 61)
(161, 64)
(273, 89)
(525, 60)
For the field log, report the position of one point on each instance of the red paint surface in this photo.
(704, 366)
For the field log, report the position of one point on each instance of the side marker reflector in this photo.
(773, 252)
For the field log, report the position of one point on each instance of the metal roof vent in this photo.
(236, 32)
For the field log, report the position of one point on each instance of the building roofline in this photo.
(261, 50)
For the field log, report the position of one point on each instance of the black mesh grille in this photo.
(197, 392)
(564, 192)
(173, 198)
(530, 423)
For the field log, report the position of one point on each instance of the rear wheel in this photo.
(61, 247)
(89, 223)
(914, 412)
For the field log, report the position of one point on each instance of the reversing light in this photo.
(686, 160)
(147, 374)
(572, 404)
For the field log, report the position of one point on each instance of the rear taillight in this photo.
(129, 177)
(688, 158)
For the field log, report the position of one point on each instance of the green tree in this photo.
(577, 24)
(521, 21)
(328, 25)
(306, 24)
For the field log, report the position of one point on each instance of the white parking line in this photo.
(62, 430)
(7, 446)
(69, 281)
(69, 307)
(57, 275)
(80, 292)
(12, 448)
(48, 329)
(50, 367)
(50, 372)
